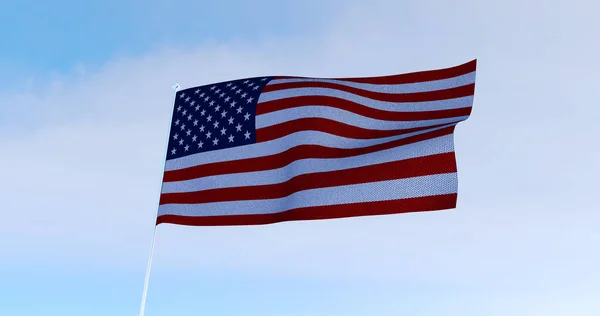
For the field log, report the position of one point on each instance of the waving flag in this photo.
(271, 149)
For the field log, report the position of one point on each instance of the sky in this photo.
(85, 98)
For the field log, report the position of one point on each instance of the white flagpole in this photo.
(149, 267)
(147, 279)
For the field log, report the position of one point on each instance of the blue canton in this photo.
(215, 116)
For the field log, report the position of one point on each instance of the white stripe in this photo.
(280, 145)
(372, 191)
(391, 88)
(343, 116)
(372, 103)
(438, 145)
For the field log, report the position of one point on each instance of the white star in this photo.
(186, 147)
(179, 108)
(233, 103)
(231, 138)
(202, 94)
(250, 99)
(239, 110)
(239, 127)
(182, 127)
(227, 99)
(195, 122)
(200, 144)
(181, 142)
(197, 91)
(238, 91)
(218, 107)
(213, 87)
(202, 128)
(244, 95)
(250, 84)
(197, 107)
(222, 94)
(211, 103)
(192, 103)
(247, 135)
(175, 136)
(229, 84)
(189, 132)
(218, 90)
(184, 112)
(194, 138)
(173, 151)
(216, 124)
(182, 95)
(208, 134)
(206, 99)
(246, 81)
(255, 88)
(215, 141)
(224, 113)
(177, 122)
(209, 118)
(223, 130)
(230, 120)
(202, 112)
(190, 117)
(247, 116)
(187, 99)
(234, 87)
(263, 79)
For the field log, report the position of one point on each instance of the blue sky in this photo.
(54, 37)
(85, 96)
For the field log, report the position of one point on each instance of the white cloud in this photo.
(83, 156)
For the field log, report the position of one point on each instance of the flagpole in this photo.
(147, 279)
(149, 266)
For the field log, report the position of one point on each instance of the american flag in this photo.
(279, 148)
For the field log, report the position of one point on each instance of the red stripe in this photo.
(412, 77)
(420, 204)
(296, 153)
(382, 96)
(401, 169)
(330, 127)
(451, 93)
(356, 108)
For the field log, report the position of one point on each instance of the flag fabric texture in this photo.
(280, 148)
